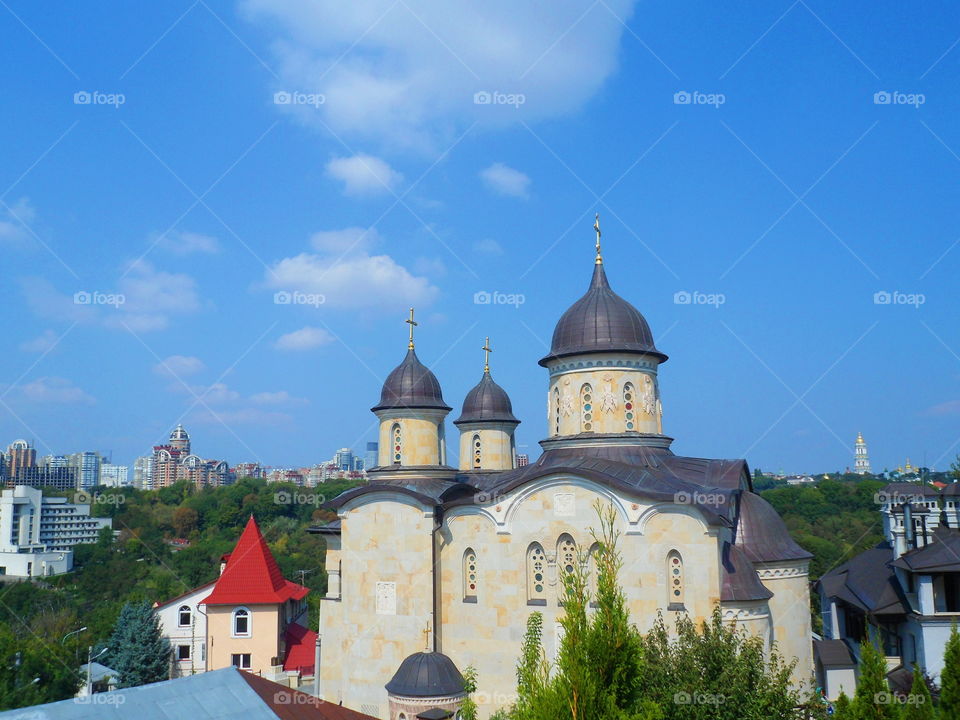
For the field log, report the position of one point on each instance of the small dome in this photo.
(411, 385)
(179, 433)
(601, 321)
(487, 402)
(427, 675)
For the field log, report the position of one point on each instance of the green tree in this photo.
(34, 671)
(138, 652)
(873, 699)
(919, 705)
(468, 708)
(842, 708)
(950, 678)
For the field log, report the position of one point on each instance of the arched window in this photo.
(629, 395)
(675, 582)
(536, 575)
(556, 411)
(476, 451)
(397, 443)
(241, 623)
(469, 575)
(586, 408)
(184, 616)
(566, 554)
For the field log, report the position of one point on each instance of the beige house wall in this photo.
(790, 613)
(263, 644)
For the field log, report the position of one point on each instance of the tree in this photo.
(955, 469)
(184, 521)
(468, 708)
(842, 709)
(36, 671)
(137, 650)
(873, 699)
(919, 705)
(950, 677)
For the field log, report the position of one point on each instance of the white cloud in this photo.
(151, 297)
(13, 219)
(363, 174)
(349, 239)
(488, 246)
(55, 390)
(504, 180)
(406, 73)
(305, 338)
(950, 407)
(179, 366)
(42, 343)
(188, 243)
(281, 397)
(430, 266)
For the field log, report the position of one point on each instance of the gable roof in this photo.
(301, 644)
(868, 582)
(252, 575)
(214, 695)
(188, 593)
(942, 555)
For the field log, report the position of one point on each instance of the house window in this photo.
(240, 660)
(536, 575)
(184, 616)
(397, 444)
(183, 652)
(628, 398)
(241, 622)
(476, 451)
(469, 576)
(586, 408)
(675, 584)
(891, 639)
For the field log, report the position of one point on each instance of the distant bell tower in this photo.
(861, 461)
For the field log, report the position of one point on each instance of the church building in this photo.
(438, 568)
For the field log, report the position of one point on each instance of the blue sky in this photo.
(738, 154)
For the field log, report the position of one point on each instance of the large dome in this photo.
(487, 402)
(601, 321)
(426, 674)
(411, 385)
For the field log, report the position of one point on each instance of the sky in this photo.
(219, 213)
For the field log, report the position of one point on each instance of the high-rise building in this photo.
(56, 477)
(861, 460)
(143, 472)
(523, 460)
(174, 461)
(370, 458)
(114, 475)
(248, 469)
(343, 459)
(88, 467)
(20, 454)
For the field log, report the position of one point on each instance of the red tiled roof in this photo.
(301, 646)
(252, 575)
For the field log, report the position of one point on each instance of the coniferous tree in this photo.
(873, 699)
(138, 652)
(919, 704)
(842, 709)
(950, 678)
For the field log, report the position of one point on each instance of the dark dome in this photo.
(762, 534)
(601, 321)
(426, 674)
(487, 402)
(411, 385)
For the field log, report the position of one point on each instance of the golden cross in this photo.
(426, 636)
(486, 355)
(412, 323)
(596, 226)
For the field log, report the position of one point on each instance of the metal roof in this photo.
(487, 402)
(426, 674)
(411, 385)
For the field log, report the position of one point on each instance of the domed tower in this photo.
(425, 682)
(603, 371)
(180, 440)
(411, 413)
(487, 425)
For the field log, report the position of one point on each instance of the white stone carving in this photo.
(648, 396)
(608, 401)
(776, 573)
(566, 403)
(564, 505)
(386, 598)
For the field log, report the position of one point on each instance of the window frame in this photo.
(233, 623)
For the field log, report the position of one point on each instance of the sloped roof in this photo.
(833, 654)
(188, 593)
(740, 581)
(252, 575)
(216, 695)
(301, 646)
(942, 555)
(761, 533)
(426, 674)
(411, 385)
(486, 402)
(868, 582)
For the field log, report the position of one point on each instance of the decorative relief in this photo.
(564, 505)
(745, 613)
(648, 396)
(782, 572)
(608, 401)
(386, 598)
(566, 400)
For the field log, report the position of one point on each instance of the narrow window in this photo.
(536, 575)
(628, 396)
(566, 554)
(469, 575)
(476, 452)
(556, 411)
(241, 622)
(397, 443)
(184, 616)
(586, 408)
(675, 580)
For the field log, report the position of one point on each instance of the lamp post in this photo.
(89, 669)
(74, 632)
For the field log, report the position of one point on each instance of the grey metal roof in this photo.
(487, 402)
(411, 385)
(601, 321)
(867, 582)
(740, 581)
(761, 533)
(942, 555)
(426, 674)
(833, 654)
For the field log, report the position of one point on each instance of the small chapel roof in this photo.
(486, 402)
(411, 385)
(252, 575)
(426, 674)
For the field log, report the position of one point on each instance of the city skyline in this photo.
(777, 208)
